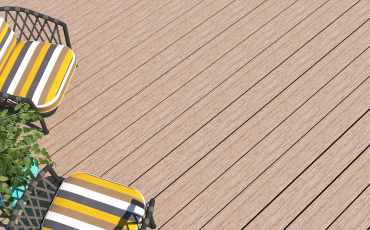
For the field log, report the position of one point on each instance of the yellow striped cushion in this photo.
(7, 42)
(88, 202)
(40, 71)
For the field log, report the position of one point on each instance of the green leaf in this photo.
(35, 117)
(18, 106)
(8, 198)
(42, 161)
(3, 135)
(9, 211)
(16, 183)
(25, 116)
(6, 145)
(36, 162)
(18, 132)
(12, 143)
(7, 157)
(43, 151)
(37, 151)
(26, 149)
(34, 147)
(3, 214)
(5, 189)
(8, 190)
(27, 173)
(28, 139)
(14, 117)
(27, 162)
(21, 143)
(4, 178)
(37, 134)
(26, 130)
(26, 106)
(4, 112)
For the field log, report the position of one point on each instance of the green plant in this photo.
(15, 159)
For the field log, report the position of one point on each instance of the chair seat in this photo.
(84, 201)
(39, 71)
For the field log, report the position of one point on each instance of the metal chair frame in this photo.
(22, 26)
(34, 212)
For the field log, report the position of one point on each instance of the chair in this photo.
(38, 70)
(81, 201)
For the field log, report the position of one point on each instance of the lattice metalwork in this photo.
(39, 196)
(30, 25)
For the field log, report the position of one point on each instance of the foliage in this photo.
(15, 151)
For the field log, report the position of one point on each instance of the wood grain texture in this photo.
(356, 216)
(232, 114)
(342, 192)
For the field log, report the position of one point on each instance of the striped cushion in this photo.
(88, 202)
(40, 71)
(7, 42)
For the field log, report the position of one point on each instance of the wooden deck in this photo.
(231, 114)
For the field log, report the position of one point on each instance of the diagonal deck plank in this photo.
(133, 80)
(357, 215)
(160, 111)
(232, 114)
(135, 112)
(312, 182)
(96, 16)
(189, 126)
(139, 17)
(319, 136)
(194, 150)
(236, 108)
(195, 181)
(341, 192)
(139, 42)
(196, 117)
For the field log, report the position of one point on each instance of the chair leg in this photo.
(152, 223)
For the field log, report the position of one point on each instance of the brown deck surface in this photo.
(232, 114)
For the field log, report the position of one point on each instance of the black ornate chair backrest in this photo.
(31, 25)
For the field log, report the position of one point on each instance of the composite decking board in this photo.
(341, 193)
(316, 179)
(128, 63)
(198, 114)
(98, 16)
(140, 43)
(348, 219)
(122, 85)
(194, 184)
(357, 107)
(113, 57)
(141, 19)
(50, 8)
(231, 118)
(158, 118)
(174, 167)
(129, 82)
(356, 215)
(21, 3)
(310, 183)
